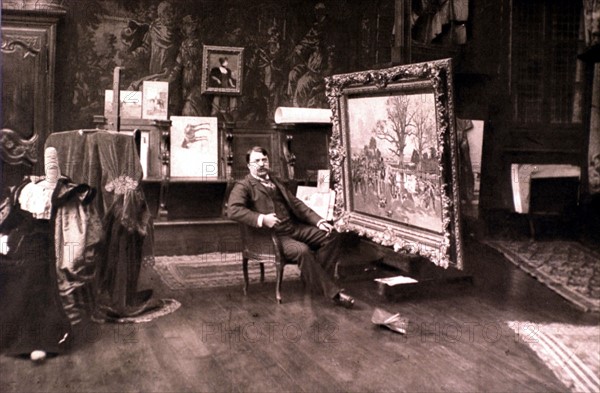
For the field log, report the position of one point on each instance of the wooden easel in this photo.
(116, 104)
(115, 120)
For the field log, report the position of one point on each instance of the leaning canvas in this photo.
(131, 104)
(323, 180)
(144, 149)
(320, 202)
(155, 102)
(194, 147)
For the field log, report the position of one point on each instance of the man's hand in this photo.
(325, 226)
(270, 220)
(4, 244)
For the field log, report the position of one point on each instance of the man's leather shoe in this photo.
(341, 299)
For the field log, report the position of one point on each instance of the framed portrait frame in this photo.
(222, 78)
(394, 159)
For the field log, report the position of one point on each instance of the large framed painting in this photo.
(222, 70)
(394, 158)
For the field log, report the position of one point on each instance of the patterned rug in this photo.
(571, 352)
(213, 270)
(567, 267)
(162, 308)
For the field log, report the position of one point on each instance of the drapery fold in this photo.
(77, 236)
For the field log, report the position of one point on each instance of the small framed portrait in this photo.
(222, 70)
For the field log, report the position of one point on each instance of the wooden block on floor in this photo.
(408, 286)
(361, 261)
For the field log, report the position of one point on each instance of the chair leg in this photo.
(245, 270)
(279, 268)
(262, 272)
(531, 227)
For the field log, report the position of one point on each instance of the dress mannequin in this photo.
(36, 197)
(33, 316)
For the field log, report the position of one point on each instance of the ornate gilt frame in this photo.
(444, 247)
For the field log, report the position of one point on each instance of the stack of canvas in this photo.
(320, 198)
(321, 202)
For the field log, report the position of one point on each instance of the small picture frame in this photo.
(222, 70)
(131, 104)
(155, 102)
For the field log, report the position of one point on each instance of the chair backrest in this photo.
(259, 243)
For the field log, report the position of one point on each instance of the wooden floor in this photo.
(221, 341)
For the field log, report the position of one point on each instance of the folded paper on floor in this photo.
(391, 321)
(397, 280)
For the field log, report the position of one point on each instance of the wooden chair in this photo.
(262, 246)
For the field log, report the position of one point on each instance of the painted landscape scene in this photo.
(394, 159)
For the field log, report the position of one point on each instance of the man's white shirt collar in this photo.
(260, 178)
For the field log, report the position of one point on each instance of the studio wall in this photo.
(289, 47)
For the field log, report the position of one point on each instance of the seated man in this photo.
(261, 200)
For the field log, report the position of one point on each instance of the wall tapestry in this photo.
(288, 49)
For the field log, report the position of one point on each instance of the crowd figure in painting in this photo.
(412, 184)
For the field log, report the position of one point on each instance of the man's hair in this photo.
(256, 149)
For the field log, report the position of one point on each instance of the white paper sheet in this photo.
(302, 115)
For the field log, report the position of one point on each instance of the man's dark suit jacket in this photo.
(248, 199)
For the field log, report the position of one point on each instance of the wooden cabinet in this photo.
(28, 58)
(309, 144)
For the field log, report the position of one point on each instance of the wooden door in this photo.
(28, 51)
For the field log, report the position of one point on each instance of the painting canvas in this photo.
(475, 143)
(396, 176)
(320, 202)
(194, 147)
(470, 134)
(155, 102)
(323, 180)
(144, 149)
(394, 159)
(222, 70)
(131, 104)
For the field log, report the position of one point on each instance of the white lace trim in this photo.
(36, 198)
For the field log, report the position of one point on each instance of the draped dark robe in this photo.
(108, 161)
